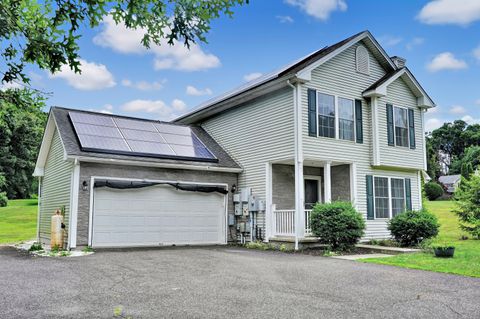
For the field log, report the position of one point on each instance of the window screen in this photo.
(381, 197)
(398, 196)
(326, 115)
(345, 119)
(401, 126)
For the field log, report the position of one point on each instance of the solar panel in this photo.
(109, 134)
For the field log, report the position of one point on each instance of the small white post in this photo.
(328, 181)
(268, 202)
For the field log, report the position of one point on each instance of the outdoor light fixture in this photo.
(85, 186)
(234, 188)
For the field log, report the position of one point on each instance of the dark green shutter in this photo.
(408, 193)
(359, 120)
(390, 128)
(312, 112)
(411, 128)
(370, 212)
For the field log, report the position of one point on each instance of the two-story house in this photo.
(344, 123)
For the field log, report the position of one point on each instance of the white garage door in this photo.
(157, 215)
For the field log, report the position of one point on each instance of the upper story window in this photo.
(401, 126)
(326, 115)
(346, 122)
(362, 59)
(390, 199)
(336, 117)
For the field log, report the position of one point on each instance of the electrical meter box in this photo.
(245, 194)
(231, 220)
(238, 209)
(242, 227)
(261, 205)
(252, 203)
(236, 198)
(245, 209)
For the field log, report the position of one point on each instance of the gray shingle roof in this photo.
(72, 145)
(449, 179)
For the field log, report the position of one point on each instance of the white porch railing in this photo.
(284, 222)
(308, 229)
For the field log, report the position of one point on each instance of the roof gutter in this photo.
(98, 160)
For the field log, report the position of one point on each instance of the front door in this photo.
(311, 193)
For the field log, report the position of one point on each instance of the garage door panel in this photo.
(159, 215)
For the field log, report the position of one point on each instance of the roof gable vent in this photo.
(363, 60)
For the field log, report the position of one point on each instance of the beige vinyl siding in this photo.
(338, 77)
(254, 134)
(398, 94)
(56, 187)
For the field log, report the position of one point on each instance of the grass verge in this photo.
(467, 252)
(18, 221)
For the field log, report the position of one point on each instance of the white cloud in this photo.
(446, 61)
(107, 109)
(477, 102)
(144, 85)
(252, 76)
(415, 42)
(471, 120)
(432, 124)
(320, 9)
(93, 77)
(389, 40)
(456, 12)
(476, 53)
(176, 57)
(457, 109)
(158, 107)
(285, 19)
(191, 90)
(10, 85)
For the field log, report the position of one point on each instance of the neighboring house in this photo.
(344, 123)
(450, 182)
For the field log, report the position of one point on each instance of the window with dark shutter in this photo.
(411, 128)
(359, 120)
(408, 193)
(370, 208)
(312, 112)
(390, 129)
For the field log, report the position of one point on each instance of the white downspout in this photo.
(299, 194)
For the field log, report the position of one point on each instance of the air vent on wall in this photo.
(362, 60)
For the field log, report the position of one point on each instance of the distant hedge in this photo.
(433, 190)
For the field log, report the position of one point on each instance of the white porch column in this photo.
(269, 207)
(327, 172)
(299, 191)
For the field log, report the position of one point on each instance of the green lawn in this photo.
(467, 252)
(18, 221)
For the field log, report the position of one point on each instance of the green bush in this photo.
(433, 190)
(3, 199)
(411, 227)
(467, 202)
(337, 225)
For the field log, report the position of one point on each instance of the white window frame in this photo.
(395, 131)
(337, 118)
(390, 206)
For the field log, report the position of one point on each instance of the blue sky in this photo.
(440, 40)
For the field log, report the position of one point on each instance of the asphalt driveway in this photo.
(225, 283)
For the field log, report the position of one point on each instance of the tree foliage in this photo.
(450, 140)
(47, 33)
(467, 163)
(21, 129)
(433, 190)
(467, 202)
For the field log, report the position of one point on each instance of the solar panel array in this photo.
(103, 133)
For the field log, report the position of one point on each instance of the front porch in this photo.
(295, 190)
